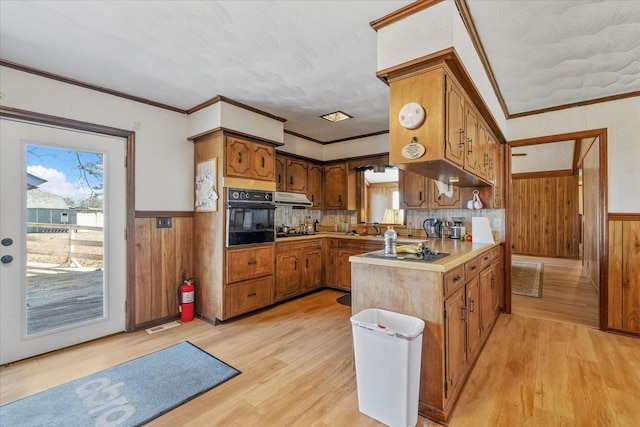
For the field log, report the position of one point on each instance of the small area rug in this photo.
(344, 299)
(526, 278)
(130, 394)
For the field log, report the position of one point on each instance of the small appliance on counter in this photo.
(431, 227)
(457, 230)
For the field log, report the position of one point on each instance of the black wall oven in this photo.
(250, 217)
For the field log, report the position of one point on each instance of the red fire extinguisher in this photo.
(187, 300)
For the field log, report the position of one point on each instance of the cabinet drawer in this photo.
(485, 259)
(453, 279)
(472, 268)
(248, 296)
(248, 263)
(298, 245)
(495, 253)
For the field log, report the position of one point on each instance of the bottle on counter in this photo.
(316, 226)
(390, 242)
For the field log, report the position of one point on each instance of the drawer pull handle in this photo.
(473, 306)
(457, 278)
(252, 294)
(252, 262)
(473, 267)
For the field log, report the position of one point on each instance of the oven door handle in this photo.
(249, 205)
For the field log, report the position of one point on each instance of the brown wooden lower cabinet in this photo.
(298, 268)
(246, 296)
(249, 280)
(459, 310)
(338, 267)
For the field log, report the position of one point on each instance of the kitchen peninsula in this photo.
(457, 296)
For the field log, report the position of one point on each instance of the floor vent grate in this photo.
(163, 327)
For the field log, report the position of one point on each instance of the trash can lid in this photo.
(389, 322)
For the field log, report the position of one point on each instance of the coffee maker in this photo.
(457, 230)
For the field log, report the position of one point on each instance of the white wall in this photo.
(432, 30)
(302, 147)
(164, 157)
(356, 147)
(621, 118)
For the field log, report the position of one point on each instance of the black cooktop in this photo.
(422, 257)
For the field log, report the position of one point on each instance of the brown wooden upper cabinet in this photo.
(291, 175)
(248, 159)
(315, 185)
(414, 190)
(455, 136)
(299, 176)
(450, 144)
(419, 192)
(339, 187)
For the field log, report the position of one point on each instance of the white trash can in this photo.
(388, 350)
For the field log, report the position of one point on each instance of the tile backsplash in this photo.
(331, 220)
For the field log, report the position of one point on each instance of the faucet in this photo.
(375, 225)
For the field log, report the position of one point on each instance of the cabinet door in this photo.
(441, 200)
(296, 176)
(263, 162)
(496, 286)
(486, 299)
(499, 179)
(483, 157)
(455, 137)
(455, 351)
(471, 145)
(413, 190)
(238, 158)
(288, 275)
(281, 173)
(343, 268)
(247, 296)
(314, 185)
(492, 150)
(312, 269)
(250, 262)
(473, 317)
(335, 186)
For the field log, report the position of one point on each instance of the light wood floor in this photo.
(296, 363)
(567, 294)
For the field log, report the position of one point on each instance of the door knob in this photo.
(6, 259)
(7, 241)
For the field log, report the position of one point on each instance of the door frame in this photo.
(603, 230)
(33, 117)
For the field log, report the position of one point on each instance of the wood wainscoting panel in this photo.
(624, 275)
(164, 258)
(545, 216)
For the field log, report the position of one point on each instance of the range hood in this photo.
(297, 200)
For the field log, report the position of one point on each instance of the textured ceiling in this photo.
(549, 53)
(543, 157)
(300, 59)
